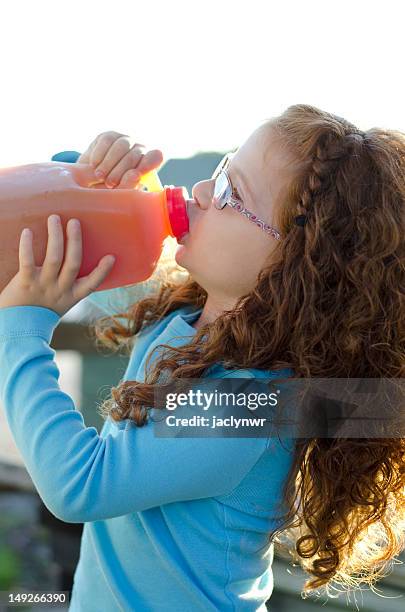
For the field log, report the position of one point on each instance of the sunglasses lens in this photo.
(221, 165)
(222, 190)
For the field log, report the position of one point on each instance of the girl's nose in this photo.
(202, 192)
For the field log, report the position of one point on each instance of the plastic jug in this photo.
(128, 223)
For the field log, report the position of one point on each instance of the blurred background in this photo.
(192, 79)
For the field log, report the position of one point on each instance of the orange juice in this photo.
(128, 223)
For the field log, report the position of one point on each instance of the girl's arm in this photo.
(82, 476)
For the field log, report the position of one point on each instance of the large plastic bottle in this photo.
(131, 224)
(120, 299)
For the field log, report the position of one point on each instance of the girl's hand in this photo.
(117, 163)
(50, 286)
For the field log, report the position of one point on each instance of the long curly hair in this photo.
(328, 303)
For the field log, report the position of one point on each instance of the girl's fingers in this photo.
(108, 152)
(100, 149)
(87, 284)
(128, 162)
(130, 180)
(26, 254)
(97, 149)
(84, 158)
(117, 163)
(54, 250)
(73, 259)
(150, 161)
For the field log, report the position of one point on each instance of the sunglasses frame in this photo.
(235, 202)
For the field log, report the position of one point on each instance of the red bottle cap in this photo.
(176, 198)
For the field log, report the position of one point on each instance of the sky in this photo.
(188, 76)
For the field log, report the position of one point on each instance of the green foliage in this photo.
(10, 567)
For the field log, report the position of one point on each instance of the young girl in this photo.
(295, 268)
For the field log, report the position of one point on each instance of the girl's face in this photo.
(224, 251)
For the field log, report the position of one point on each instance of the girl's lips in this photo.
(190, 208)
(182, 239)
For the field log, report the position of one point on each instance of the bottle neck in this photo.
(177, 200)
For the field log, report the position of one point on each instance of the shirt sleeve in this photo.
(82, 476)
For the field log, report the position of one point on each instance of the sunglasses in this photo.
(224, 194)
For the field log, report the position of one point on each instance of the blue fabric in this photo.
(170, 523)
(66, 156)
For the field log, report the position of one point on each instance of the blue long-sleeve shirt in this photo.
(170, 523)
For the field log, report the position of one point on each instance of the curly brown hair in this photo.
(329, 303)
